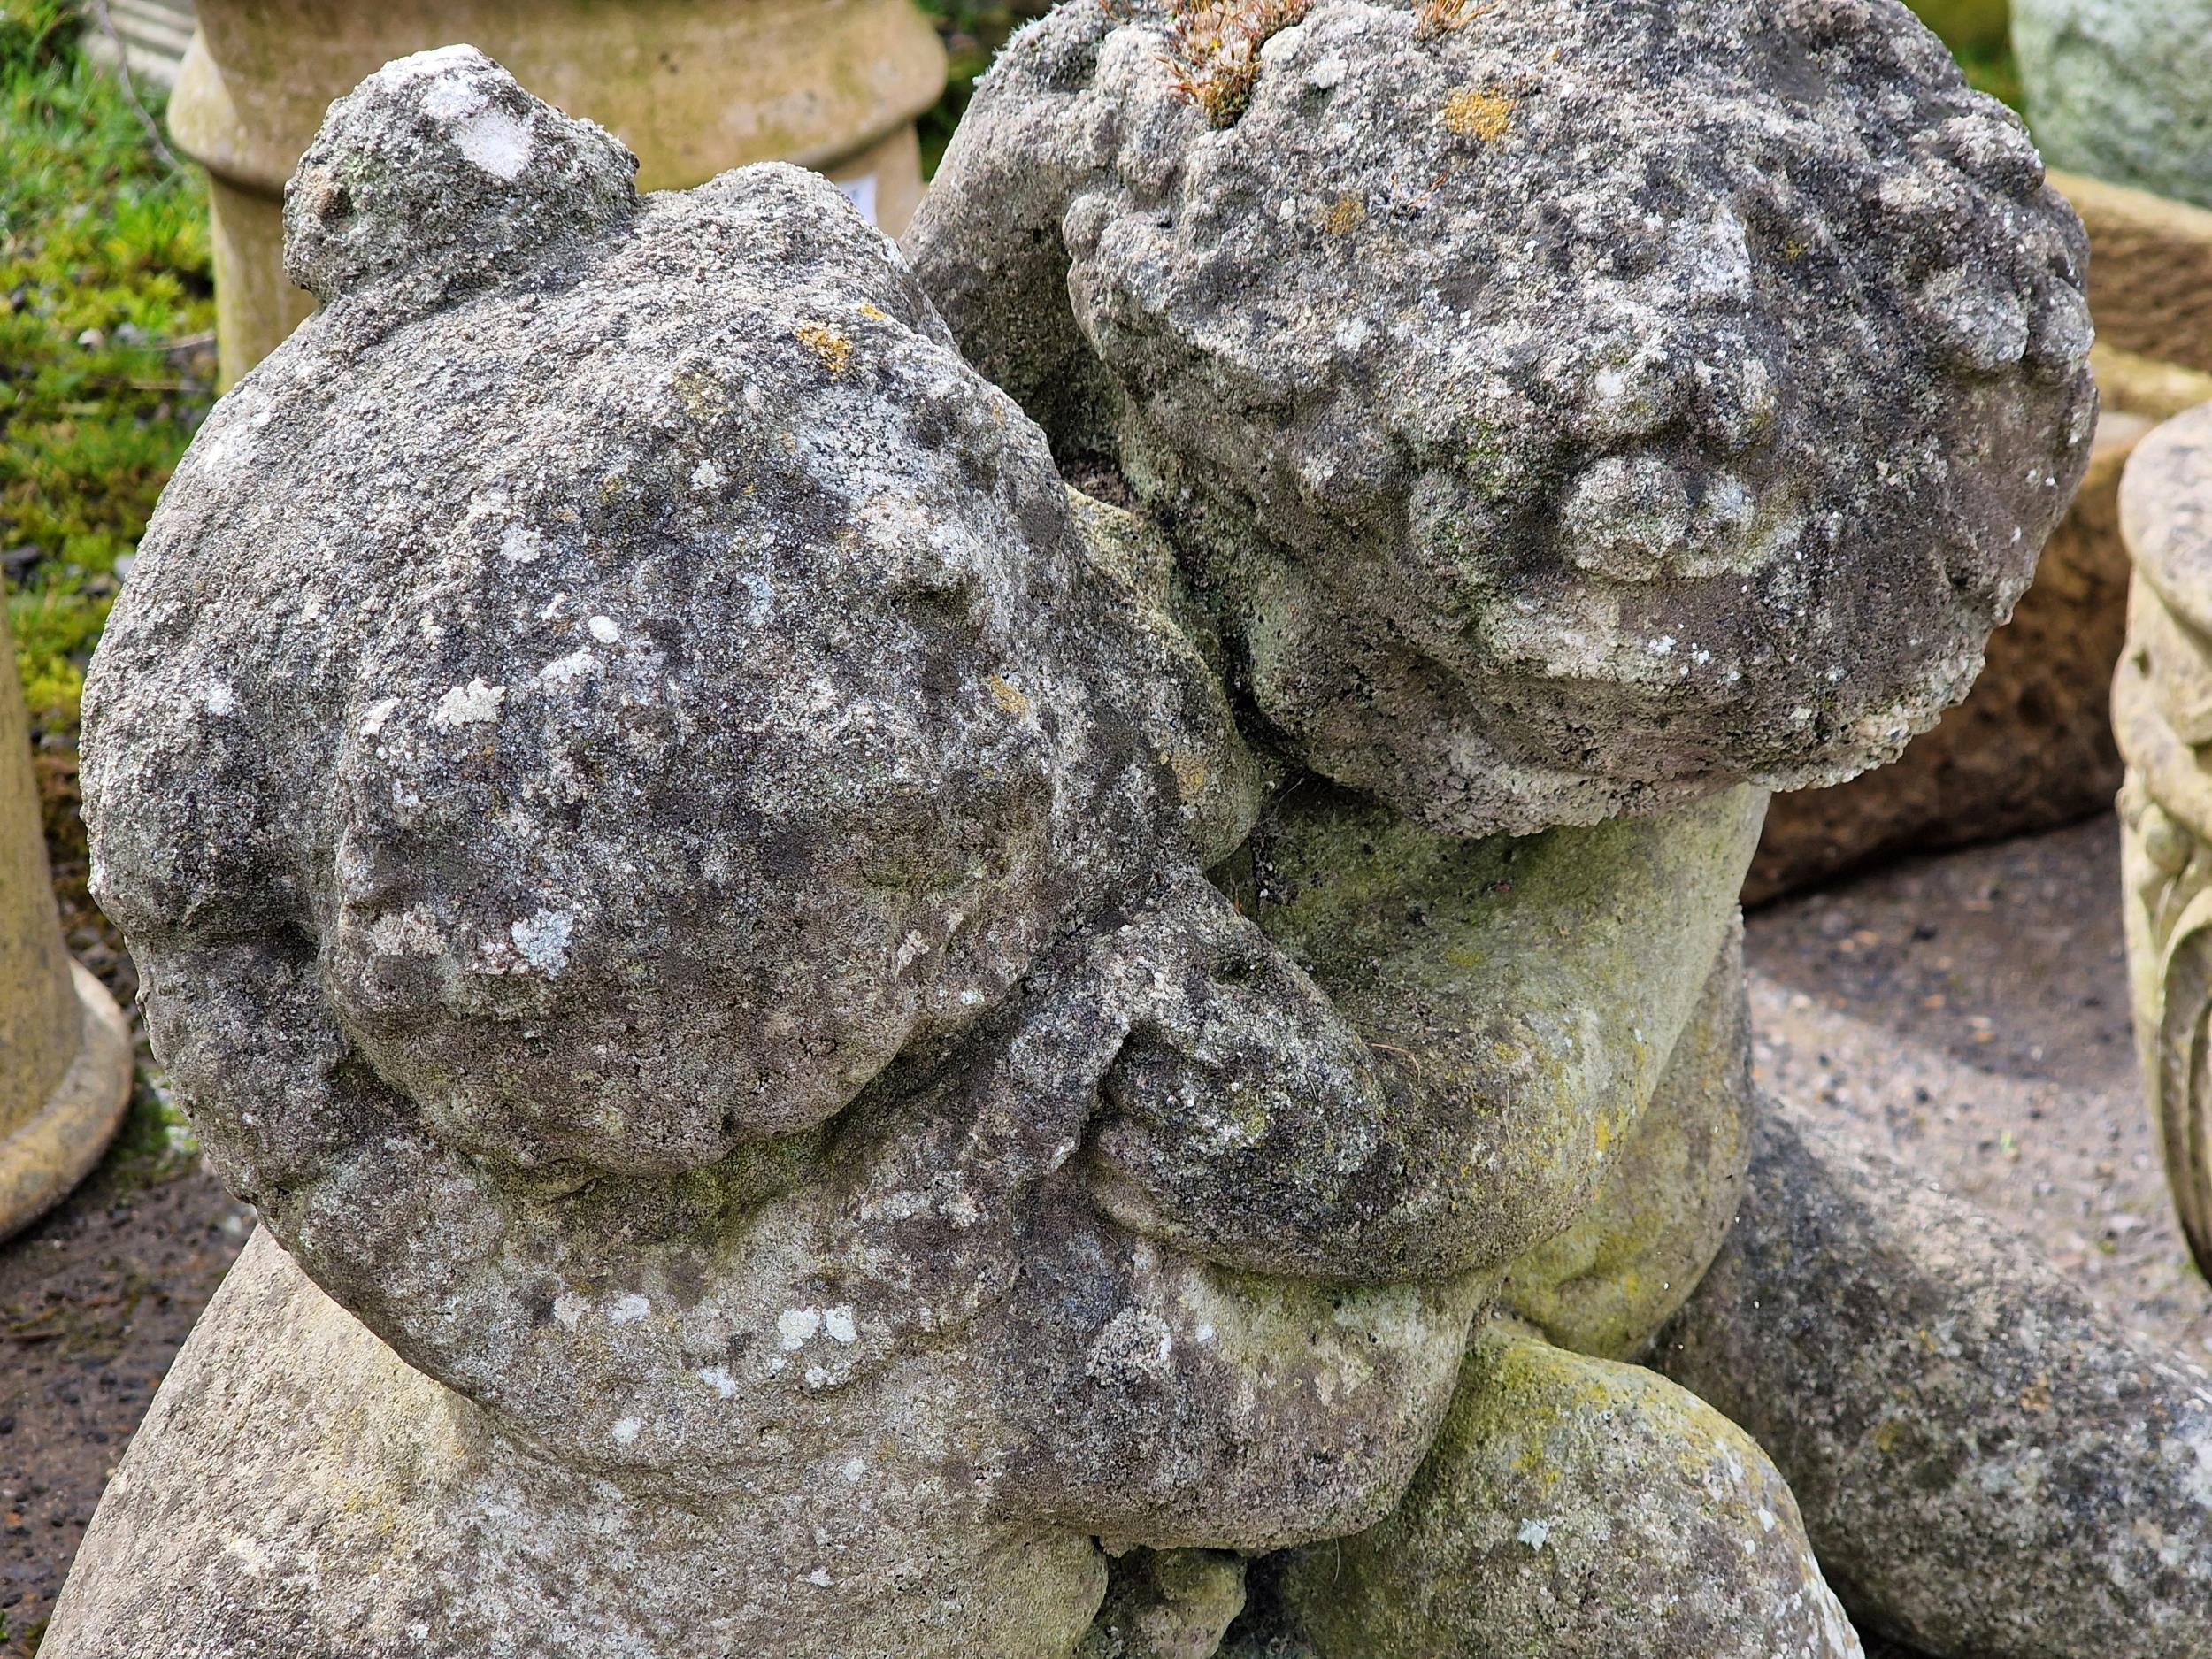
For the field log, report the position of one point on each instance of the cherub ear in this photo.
(439, 174)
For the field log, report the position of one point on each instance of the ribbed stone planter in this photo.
(2161, 709)
(65, 1050)
(693, 87)
(2032, 747)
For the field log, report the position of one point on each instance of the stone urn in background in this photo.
(2162, 708)
(65, 1049)
(2117, 90)
(2030, 747)
(693, 87)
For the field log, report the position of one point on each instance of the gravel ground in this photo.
(95, 1301)
(1969, 1012)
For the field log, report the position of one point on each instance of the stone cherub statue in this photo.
(846, 1050)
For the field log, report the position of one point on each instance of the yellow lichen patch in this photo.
(702, 395)
(826, 343)
(1008, 696)
(1472, 112)
(1344, 215)
(1190, 775)
(874, 314)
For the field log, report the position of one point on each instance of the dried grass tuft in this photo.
(1214, 48)
(1434, 17)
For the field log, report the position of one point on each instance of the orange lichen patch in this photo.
(1344, 215)
(1214, 48)
(1432, 17)
(826, 343)
(1009, 696)
(1477, 114)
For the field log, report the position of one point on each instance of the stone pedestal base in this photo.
(45, 1157)
(298, 1492)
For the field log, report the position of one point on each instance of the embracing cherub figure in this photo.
(669, 853)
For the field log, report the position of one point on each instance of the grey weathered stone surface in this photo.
(645, 828)
(668, 851)
(297, 1489)
(2117, 89)
(1607, 1282)
(2030, 747)
(1577, 1509)
(1526, 996)
(1984, 1464)
(1570, 411)
(1166, 1604)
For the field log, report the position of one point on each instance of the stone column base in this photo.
(44, 1158)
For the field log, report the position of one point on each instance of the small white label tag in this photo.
(861, 192)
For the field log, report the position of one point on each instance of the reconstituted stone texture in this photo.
(2031, 746)
(664, 845)
(1570, 411)
(1605, 1284)
(297, 1489)
(1166, 1604)
(647, 821)
(2117, 90)
(1984, 1464)
(1577, 1509)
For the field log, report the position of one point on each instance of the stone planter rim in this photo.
(206, 125)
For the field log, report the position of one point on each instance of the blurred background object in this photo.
(149, 37)
(2161, 707)
(65, 1049)
(2031, 748)
(1979, 35)
(694, 86)
(2122, 89)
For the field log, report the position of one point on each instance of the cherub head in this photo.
(1571, 408)
(727, 709)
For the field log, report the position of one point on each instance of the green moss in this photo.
(156, 1143)
(1528, 989)
(106, 348)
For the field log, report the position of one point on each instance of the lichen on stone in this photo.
(1571, 413)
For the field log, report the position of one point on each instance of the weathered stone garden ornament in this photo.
(2161, 705)
(670, 852)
